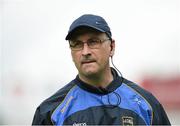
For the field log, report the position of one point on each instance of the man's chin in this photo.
(89, 72)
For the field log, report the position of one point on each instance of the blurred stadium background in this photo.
(35, 59)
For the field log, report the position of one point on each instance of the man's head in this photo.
(91, 45)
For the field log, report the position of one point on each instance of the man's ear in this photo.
(112, 47)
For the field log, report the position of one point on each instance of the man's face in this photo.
(92, 61)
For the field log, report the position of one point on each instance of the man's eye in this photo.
(73, 43)
(93, 42)
(77, 44)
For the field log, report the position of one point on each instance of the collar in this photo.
(116, 82)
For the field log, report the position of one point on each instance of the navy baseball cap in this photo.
(88, 20)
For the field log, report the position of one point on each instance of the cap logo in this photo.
(97, 23)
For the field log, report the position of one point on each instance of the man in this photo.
(98, 95)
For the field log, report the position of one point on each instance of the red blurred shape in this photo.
(166, 90)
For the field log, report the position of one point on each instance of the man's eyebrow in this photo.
(94, 38)
(76, 40)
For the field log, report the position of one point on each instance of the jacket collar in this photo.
(116, 82)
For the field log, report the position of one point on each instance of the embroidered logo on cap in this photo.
(98, 23)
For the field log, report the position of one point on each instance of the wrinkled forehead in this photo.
(80, 31)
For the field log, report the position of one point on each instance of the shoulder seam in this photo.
(62, 102)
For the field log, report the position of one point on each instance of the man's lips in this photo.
(86, 62)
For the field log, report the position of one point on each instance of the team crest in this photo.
(127, 121)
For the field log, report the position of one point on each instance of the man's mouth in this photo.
(87, 62)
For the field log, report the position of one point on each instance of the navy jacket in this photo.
(121, 103)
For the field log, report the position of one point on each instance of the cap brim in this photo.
(83, 25)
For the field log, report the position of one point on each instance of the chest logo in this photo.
(127, 121)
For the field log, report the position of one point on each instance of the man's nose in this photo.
(86, 50)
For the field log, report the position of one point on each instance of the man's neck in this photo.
(102, 79)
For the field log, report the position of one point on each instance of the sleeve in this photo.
(37, 118)
(41, 119)
(164, 117)
(44, 111)
(160, 117)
